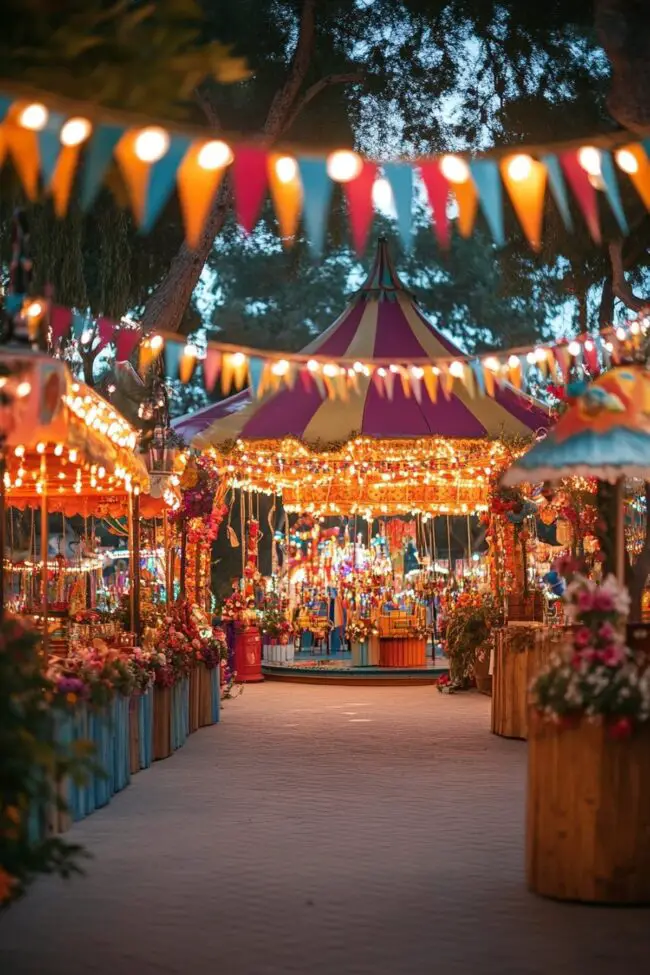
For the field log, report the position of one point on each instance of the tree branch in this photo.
(620, 287)
(350, 78)
(207, 107)
(285, 96)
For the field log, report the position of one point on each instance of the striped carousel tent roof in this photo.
(382, 320)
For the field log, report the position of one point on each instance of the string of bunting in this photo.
(233, 367)
(52, 142)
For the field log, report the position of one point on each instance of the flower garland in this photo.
(596, 676)
(360, 629)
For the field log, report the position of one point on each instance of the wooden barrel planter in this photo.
(402, 652)
(210, 695)
(195, 699)
(520, 651)
(588, 817)
(162, 722)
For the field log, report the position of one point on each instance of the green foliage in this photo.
(142, 56)
(469, 632)
(32, 767)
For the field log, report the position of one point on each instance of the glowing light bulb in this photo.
(151, 144)
(621, 334)
(313, 365)
(19, 451)
(520, 167)
(34, 309)
(215, 155)
(40, 448)
(86, 336)
(627, 161)
(456, 369)
(23, 389)
(417, 372)
(589, 346)
(191, 351)
(540, 355)
(286, 169)
(454, 169)
(75, 131)
(33, 117)
(238, 359)
(492, 363)
(589, 159)
(382, 196)
(330, 369)
(343, 165)
(156, 342)
(574, 348)
(280, 368)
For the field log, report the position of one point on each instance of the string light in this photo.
(151, 144)
(589, 159)
(343, 165)
(23, 389)
(627, 161)
(34, 117)
(454, 169)
(238, 359)
(492, 363)
(574, 349)
(280, 368)
(286, 169)
(456, 369)
(75, 131)
(520, 167)
(215, 155)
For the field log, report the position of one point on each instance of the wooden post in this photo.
(620, 531)
(183, 570)
(135, 578)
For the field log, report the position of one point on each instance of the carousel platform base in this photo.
(338, 669)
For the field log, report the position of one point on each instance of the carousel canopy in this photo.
(382, 320)
(370, 453)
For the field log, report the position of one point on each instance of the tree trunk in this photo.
(624, 30)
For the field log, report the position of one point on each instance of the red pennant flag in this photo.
(250, 176)
(126, 340)
(583, 191)
(438, 192)
(211, 367)
(591, 357)
(60, 322)
(358, 193)
(105, 331)
(305, 379)
(563, 359)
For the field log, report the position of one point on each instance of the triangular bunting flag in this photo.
(211, 367)
(558, 189)
(49, 145)
(400, 177)
(105, 331)
(6, 102)
(612, 191)
(97, 160)
(488, 379)
(437, 189)
(60, 322)
(389, 383)
(416, 384)
(23, 147)
(467, 200)
(173, 356)
(197, 189)
(135, 173)
(583, 191)
(188, 364)
(358, 193)
(162, 176)
(641, 178)
(563, 359)
(590, 354)
(378, 380)
(126, 340)
(477, 369)
(255, 373)
(526, 191)
(286, 193)
(485, 174)
(250, 177)
(431, 382)
(63, 178)
(317, 192)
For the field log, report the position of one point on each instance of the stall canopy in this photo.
(370, 452)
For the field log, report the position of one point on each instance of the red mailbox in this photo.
(248, 654)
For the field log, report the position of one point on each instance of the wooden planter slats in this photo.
(162, 723)
(512, 673)
(195, 698)
(134, 733)
(588, 816)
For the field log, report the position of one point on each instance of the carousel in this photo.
(346, 469)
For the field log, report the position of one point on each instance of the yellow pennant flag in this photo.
(525, 180)
(467, 200)
(61, 186)
(23, 149)
(197, 189)
(488, 379)
(638, 169)
(447, 382)
(286, 193)
(406, 382)
(135, 172)
(389, 383)
(431, 382)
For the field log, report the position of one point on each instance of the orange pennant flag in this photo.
(406, 382)
(447, 382)
(197, 189)
(467, 200)
(286, 194)
(488, 379)
(63, 178)
(23, 149)
(640, 176)
(525, 180)
(135, 172)
(431, 382)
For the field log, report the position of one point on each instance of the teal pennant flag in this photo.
(173, 356)
(255, 372)
(317, 193)
(49, 145)
(162, 177)
(558, 188)
(612, 191)
(5, 104)
(400, 177)
(487, 180)
(477, 369)
(97, 159)
(78, 324)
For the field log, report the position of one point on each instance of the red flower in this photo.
(621, 729)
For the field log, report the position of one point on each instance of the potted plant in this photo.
(358, 632)
(277, 631)
(469, 640)
(589, 757)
